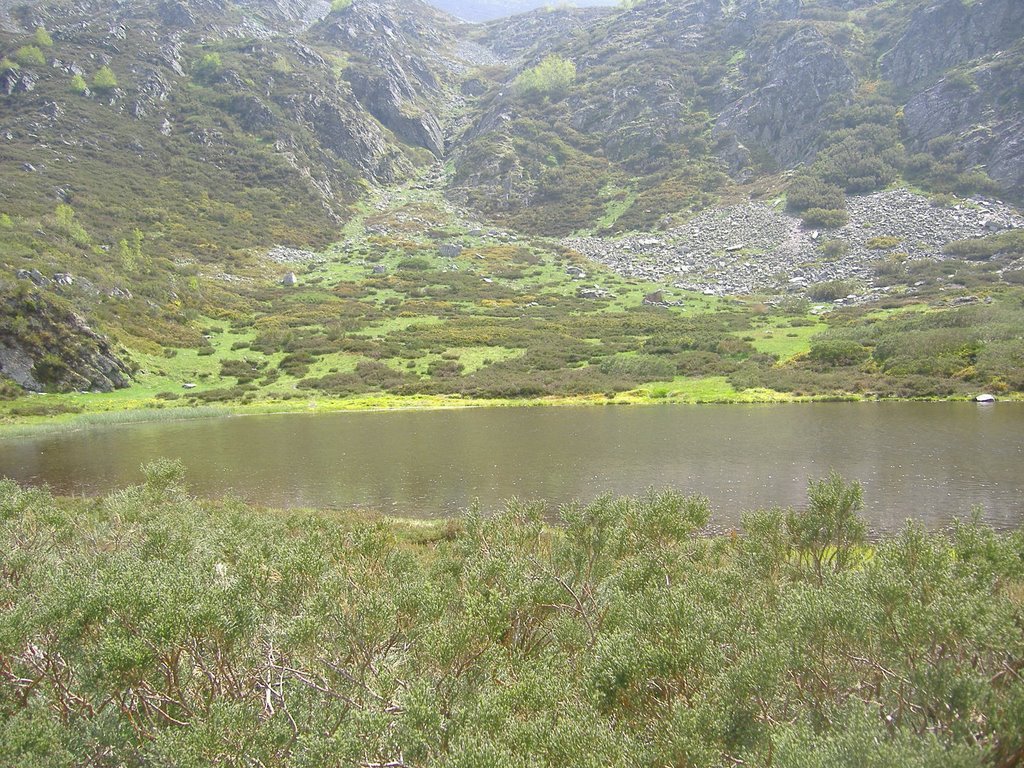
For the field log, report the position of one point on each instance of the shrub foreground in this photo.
(149, 628)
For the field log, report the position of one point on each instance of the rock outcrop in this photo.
(753, 247)
(403, 66)
(485, 10)
(961, 66)
(801, 73)
(44, 348)
(982, 112)
(531, 35)
(949, 33)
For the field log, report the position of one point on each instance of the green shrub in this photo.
(1014, 276)
(835, 249)
(104, 80)
(42, 38)
(806, 192)
(50, 369)
(831, 290)
(609, 633)
(296, 364)
(29, 56)
(960, 81)
(68, 225)
(245, 371)
(45, 409)
(980, 248)
(207, 66)
(864, 153)
(78, 85)
(640, 367)
(552, 77)
(415, 264)
(833, 352)
(883, 243)
(825, 218)
(829, 534)
(337, 6)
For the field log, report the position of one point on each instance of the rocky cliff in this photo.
(961, 67)
(947, 33)
(486, 10)
(47, 348)
(790, 80)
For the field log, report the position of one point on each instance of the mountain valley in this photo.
(259, 202)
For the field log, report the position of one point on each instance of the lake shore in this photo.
(68, 413)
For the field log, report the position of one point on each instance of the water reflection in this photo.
(930, 461)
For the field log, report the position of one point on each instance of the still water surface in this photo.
(930, 461)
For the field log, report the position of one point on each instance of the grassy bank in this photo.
(151, 628)
(57, 417)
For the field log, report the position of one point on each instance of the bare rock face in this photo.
(979, 103)
(176, 14)
(983, 114)
(298, 14)
(15, 80)
(45, 348)
(484, 10)
(405, 80)
(951, 32)
(532, 34)
(801, 72)
(349, 136)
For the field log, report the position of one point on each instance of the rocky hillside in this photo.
(675, 105)
(149, 146)
(154, 151)
(487, 10)
(44, 345)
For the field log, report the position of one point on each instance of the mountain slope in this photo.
(154, 158)
(486, 10)
(669, 95)
(223, 129)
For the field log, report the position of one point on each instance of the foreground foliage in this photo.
(149, 628)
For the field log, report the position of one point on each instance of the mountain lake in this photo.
(928, 461)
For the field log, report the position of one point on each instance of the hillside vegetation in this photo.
(150, 628)
(427, 182)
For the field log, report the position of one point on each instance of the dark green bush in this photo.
(806, 192)
(838, 352)
(824, 218)
(835, 249)
(1010, 243)
(831, 290)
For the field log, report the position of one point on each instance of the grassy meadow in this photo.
(417, 305)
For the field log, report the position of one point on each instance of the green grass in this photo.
(475, 358)
(709, 389)
(74, 423)
(619, 200)
(777, 337)
(377, 330)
